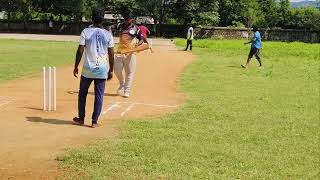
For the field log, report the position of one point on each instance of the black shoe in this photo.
(78, 121)
(95, 125)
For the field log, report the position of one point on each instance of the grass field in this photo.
(236, 123)
(23, 57)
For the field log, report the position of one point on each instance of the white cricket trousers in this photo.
(129, 64)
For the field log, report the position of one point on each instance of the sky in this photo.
(299, 0)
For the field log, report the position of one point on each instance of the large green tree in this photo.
(234, 12)
(230, 11)
(265, 13)
(305, 18)
(10, 7)
(285, 12)
(270, 13)
(158, 9)
(196, 11)
(72, 8)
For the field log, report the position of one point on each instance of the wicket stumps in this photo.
(52, 76)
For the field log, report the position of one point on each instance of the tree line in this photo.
(236, 13)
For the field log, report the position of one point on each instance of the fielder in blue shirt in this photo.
(256, 46)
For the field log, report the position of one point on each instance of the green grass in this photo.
(25, 57)
(247, 124)
(256, 123)
(236, 123)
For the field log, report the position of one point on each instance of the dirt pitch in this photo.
(31, 139)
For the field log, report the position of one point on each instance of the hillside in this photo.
(305, 4)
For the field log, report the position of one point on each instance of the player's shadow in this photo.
(234, 66)
(32, 108)
(48, 121)
(52, 121)
(92, 93)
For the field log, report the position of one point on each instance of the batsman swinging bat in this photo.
(142, 47)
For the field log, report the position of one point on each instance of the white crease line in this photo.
(146, 104)
(127, 110)
(114, 106)
(5, 103)
(4, 98)
(132, 104)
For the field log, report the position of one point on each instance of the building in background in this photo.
(144, 19)
(113, 18)
(140, 19)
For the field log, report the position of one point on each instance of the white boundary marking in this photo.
(146, 104)
(113, 106)
(132, 104)
(5, 100)
(128, 109)
(5, 103)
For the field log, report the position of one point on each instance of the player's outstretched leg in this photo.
(130, 66)
(118, 68)
(251, 53)
(187, 45)
(258, 58)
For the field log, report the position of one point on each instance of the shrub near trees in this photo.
(237, 13)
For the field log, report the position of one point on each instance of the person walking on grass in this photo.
(189, 38)
(128, 31)
(256, 46)
(97, 43)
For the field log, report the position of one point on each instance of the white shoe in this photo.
(126, 95)
(120, 90)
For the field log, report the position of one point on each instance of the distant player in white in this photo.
(189, 38)
(98, 45)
